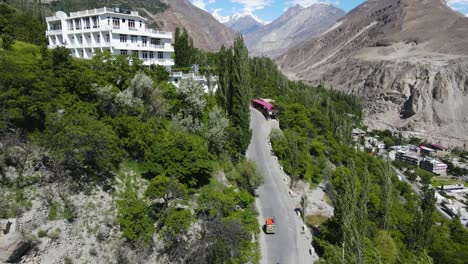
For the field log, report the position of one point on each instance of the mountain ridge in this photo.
(296, 25)
(411, 73)
(244, 23)
(207, 33)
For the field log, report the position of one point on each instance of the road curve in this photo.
(289, 245)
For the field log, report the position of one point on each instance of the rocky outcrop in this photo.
(207, 33)
(13, 246)
(296, 25)
(406, 59)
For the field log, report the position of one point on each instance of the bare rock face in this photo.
(296, 25)
(12, 247)
(208, 34)
(407, 59)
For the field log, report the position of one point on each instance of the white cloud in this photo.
(200, 4)
(252, 5)
(216, 14)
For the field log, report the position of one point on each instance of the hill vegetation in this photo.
(169, 161)
(377, 218)
(110, 123)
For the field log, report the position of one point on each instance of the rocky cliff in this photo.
(207, 33)
(296, 25)
(408, 59)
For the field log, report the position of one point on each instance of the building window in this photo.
(116, 22)
(144, 55)
(124, 52)
(77, 24)
(82, 53)
(98, 38)
(123, 20)
(160, 55)
(144, 40)
(107, 38)
(131, 24)
(134, 39)
(151, 55)
(95, 22)
(108, 21)
(155, 41)
(87, 23)
(80, 40)
(70, 24)
(140, 24)
(123, 38)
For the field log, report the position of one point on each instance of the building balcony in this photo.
(140, 31)
(162, 62)
(140, 47)
(89, 45)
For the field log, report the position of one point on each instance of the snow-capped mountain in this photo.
(243, 23)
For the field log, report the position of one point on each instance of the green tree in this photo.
(133, 215)
(419, 237)
(240, 117)
(185, 53)
(79, 142)
(247, 176)
(216, 130)
(175, 223)
(387, 190)
(159, 73)
(165, 188)
(182, 155)
(223, 94)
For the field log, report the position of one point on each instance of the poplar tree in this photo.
(240, 92)
(224, 79)
(386, 172)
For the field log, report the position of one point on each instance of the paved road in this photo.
(288, 245)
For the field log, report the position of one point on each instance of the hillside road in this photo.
(289, 244)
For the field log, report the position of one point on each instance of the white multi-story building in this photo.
(120, 31)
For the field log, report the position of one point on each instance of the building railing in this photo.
(103, 10)
(90, 12)
(158, 61)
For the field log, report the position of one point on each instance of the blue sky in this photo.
(268, 10)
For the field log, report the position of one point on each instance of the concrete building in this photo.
(434, 166)
(120, 31)
(408, 157)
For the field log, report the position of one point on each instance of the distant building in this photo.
(210, 85)
(357, 133)
(120, 31)
(454, 188)
(425, 151)
(434, 166)
(407, 157)
(380, 145)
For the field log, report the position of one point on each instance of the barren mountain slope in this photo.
(207, 33)
(296, 25)
(407, 58)
(244, 24)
